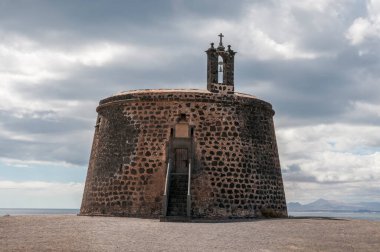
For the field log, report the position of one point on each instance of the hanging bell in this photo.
(220, 69)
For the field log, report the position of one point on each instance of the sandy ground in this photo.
(74, 233)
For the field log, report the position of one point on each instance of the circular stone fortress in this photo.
(186, 153)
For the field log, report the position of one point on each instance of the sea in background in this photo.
(374, 216)
(36, 211)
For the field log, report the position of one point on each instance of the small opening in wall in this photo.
(171, 132)
(192, 131)
(182, 117)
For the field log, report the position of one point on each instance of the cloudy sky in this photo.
(317, 62)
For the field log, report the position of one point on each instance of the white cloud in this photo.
(38, 185)
(306, 192)
(26, 163)
(359, 30)
(336, 160)
(253, 41)
(29, 60)
(266, 47)
(272, 30)
(40, 194)
(312, 5)
(28, 63)
(360, 109)
(332, 137)
(364, 28)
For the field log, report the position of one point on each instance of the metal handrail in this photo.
(189, 180)
(188, 210)
(167, 178)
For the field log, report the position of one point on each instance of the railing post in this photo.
(166, 192)
(189, 192)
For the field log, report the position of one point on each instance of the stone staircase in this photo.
(177, 204)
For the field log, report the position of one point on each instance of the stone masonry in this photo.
(229, 142)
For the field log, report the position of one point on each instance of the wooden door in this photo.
(181, 160)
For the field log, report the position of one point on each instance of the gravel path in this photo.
(79, 233)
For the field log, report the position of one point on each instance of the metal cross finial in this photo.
(221, 37)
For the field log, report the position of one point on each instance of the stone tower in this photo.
(186, 153)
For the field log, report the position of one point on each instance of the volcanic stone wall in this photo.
(236, 171)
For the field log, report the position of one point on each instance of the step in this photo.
(175, 219)
(176, 191)
(181, 192)
(180, 197)
(182, 180)
(175, 194)
(177, 207)
(175, 200)
(179, 187)
(177, 213)
(175, 204)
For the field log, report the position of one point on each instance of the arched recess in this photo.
(220, 69)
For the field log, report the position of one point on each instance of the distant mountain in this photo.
(331, 205)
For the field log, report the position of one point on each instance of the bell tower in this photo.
(220, 68)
